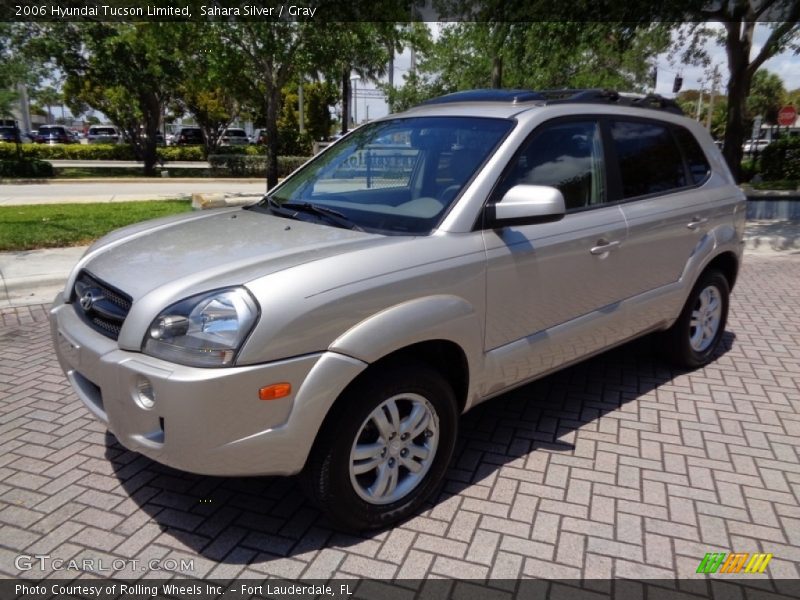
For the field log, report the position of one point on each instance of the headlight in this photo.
(206, 330)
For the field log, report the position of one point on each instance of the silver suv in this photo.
(423, 264)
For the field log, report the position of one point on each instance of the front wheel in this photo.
(385, 448)
(695, 336)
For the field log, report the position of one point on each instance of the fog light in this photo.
(145, 396)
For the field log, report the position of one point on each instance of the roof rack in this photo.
(488, 95)
(562, 96)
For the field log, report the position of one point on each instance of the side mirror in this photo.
(526, 205)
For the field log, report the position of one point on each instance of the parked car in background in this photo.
(233, 136)
(10, 134)
(260, 137)
(753, 146)
(53, 134)
(188, 136)
(425, 263)
(103, 134)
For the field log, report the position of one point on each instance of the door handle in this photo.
(696, 222)
(603, 247)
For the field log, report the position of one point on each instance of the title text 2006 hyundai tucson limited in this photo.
(424, 263)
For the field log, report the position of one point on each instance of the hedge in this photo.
(252, 166)
(97, 152)
(781, 160)
(27, 167)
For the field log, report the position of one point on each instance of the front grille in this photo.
(101, 306)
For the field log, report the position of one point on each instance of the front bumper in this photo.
(207, 421)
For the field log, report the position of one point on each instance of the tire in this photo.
(364, 471)
(689, 345)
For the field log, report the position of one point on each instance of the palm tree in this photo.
(48, 97)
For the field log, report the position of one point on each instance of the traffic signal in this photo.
(677, 84)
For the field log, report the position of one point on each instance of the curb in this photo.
(135, 180)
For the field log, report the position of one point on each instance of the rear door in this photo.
(661, 174)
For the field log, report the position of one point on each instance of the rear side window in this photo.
(693, 153)
(649, 159)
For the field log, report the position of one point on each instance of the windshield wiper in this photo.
(332, 215)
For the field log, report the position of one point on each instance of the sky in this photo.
(786, 65)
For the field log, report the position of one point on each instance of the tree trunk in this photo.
(152, 116)
(737, 45)
(273, 110)
(345, 100)
(497, 72)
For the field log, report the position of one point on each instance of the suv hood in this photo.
(199, 252)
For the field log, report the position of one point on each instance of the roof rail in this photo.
(488, 95)
(562, 96)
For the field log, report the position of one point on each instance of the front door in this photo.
(553, 288)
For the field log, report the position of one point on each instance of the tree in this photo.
(269, 54)
(739, 19)
(11, 70)
(767, 96)
(208, 85)
(126, 70)
(48, 97)
(319, 97)
(357, 47)
(537, 55)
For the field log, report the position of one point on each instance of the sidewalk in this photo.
(36, 276)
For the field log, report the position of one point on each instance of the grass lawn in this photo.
(57, 225)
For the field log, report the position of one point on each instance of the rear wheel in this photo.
(695, 336)
(385, 448)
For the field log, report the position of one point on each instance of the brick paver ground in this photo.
(617, 467)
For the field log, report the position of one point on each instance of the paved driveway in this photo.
(619, 467)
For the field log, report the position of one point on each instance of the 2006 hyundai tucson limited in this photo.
(424, 263)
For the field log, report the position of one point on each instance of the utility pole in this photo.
(699, 103)
(714, 82)
(301, 108)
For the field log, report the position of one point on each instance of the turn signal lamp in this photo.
(275, 391)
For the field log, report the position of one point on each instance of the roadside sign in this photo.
(787, 116)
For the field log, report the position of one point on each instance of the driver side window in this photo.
(567, 156)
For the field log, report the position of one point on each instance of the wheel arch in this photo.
(727, 263)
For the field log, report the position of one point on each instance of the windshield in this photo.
(103, 131)
(399, 176)
(235, 133)
(48, 130)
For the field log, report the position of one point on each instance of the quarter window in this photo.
(695, 159)
(649, 159)
(567, 156)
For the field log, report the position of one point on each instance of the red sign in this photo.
(787, 116)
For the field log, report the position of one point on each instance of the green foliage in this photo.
(128, 71)
(208, 87)
(269, 55)
(780, 184)
(749, 169)
(252, 166)
(781, 160)
(16, 66)
(538, 55)
(318, 98)
(177, 153)
(97, 152)
(57, 225)
(767, 96)
(26, 168)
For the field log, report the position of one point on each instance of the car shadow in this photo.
(243, 520)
